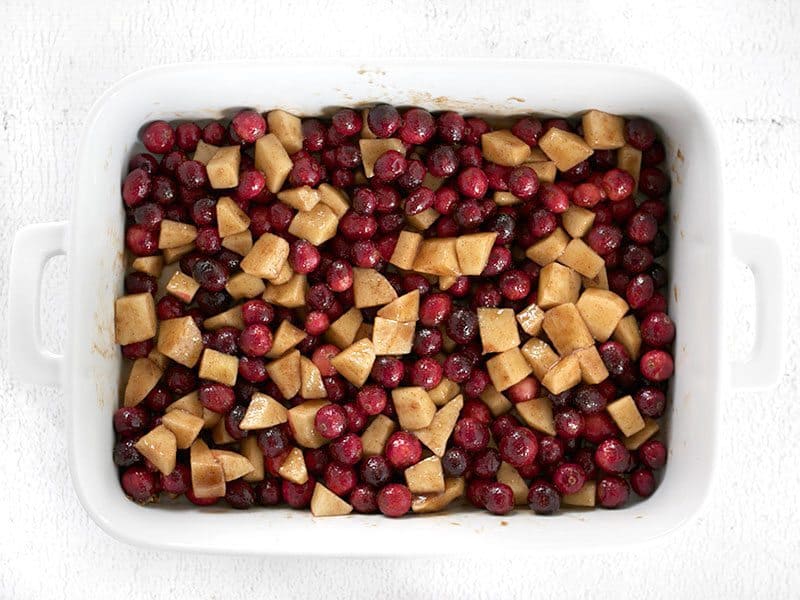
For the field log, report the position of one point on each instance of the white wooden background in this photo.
(741, 58)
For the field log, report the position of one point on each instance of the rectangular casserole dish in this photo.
(93, 242)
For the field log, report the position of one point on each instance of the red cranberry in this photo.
(604, 239)
(192, 174)
(313, 135)
(474, 128)
(470, 156)
(178, 482)
(148, 215)
(340, 479)
(542, 223)
(450, 127)
(249, 125)
(657, 329)
(476, 492)
(569, 424)
(347, 449)
(357, 227)
(618, 184)
(588, 399)
(472, 182)
(643, 482)
(653, 183)
(214, 133)
(426, 373)
(280, 216)
(642, 227)
(568, 478)
(461, 286)
(138, 349)
(305, 171)
(650, 401)
(519, 447)
(636, 259)
(553, 198)
(471, 434)
(252, 369)
(528, 130)
(615, 357)
(587, 195)
(390, 165)
(383, 120)
(418, 126)
(136, 188)
(356, 417)
(503, 425)
(387, 371)
(656, 365)
(551, 450)
(543, 499)
(179, 379)
(475, 409)
(364, 499)
(486, 295)
(457, 367)
(499, 498)
(187, 135)
(639, 290)
(239, 494)
(514, 285)
(427, 341)
(485, 463)
(612, 491)
(442, 161)
(216, 397)
(140, 283)
(346, 122)
(208, 241)
(653, 454)
(462, 325)
(330, 421)
(654, 155)
(158, 137)
(273, 441)
(498, 176)
(335, 388)
(376, 471)
(640, 133)
(316, 460)
(257, 311)
(403, 450)
(191, 497)
(523, 182)
(128, 421)
(348, 156)
(454, 462)
(322, 359)
(144, 161)
(562, 124)
(210, 274)
(125, 453)
(171, 161)
(477, 382)
(394, 500)
(140, 484)
(612, 456)
(165, 191)
(268, 492)
(434, 309)
(316, 323)
(298, 495)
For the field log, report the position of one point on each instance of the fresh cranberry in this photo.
(642, 227)
(322, 359)
(472, 182)
(659, 275)
(210, 274)
(346, 122)
(598, 427)
(316, 460)
(313, 135)
(588, 399)
(499, 498)
(347, 449)
(485, 463)
(562, 124)
(650, 401)
(462, 325)
(358, 227)
(171, 161)
(654, 155)
(657, 329)
(144, 161)
(249, 125)
(138, 349)
(427, 341)
(475, 409)
(273, 441)
(615, 357)
(551, 450)
(639, 290)
(330, 421)
(519, 447)
(252, 369)
(568, 478)
(653, 183)
(298, 495)
(461, 286)
(390, 165)
(136, 188)
(643, 482)
(553, 198)
(192, 174)
(503, 425)
(339, 478)
(612, 491)
(640, 133)
(214, 133)
(178, 482)
(454, 462)
(128, 421)
(257, 311)
(279, 215)
(179, 379)
(376, 471)
(442, 161)
(402, 450)
(187, 135)
(387, 371)
(656, 365)
(125, 453)
(471, 434)
(612, 456)
(394, 500)
(140, 484)
(232, 421)
(542, 223)
(474, 128)
(434, 309)
(514, 285)
(470, 156)
(364, 499)
(457, 367)
(477, 382)
(476, 492)
(426, 373)
(528, 130)
(418, 126)
(192, 497)
(268, 492)
(158, 137)
(653, 454)
(383, 120)
(569, 424)
(356, 417)
(604, 239)
(239, 494)
(339, 276)
(543, 498)
(523, 182)
(618, 184)
(303, 257)
(216, 397)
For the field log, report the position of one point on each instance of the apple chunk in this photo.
(285, 372)
(580, 257)
(208, 478)
(548, 249)
(229, 318)
(405, 308)
(160, 448)
(436, 434)
(286, 337)
(565, 328)
(564, 148)
(445, 391)
(334, 198)
(241, 243)
(233, 464)
(302, 198)
(425, 477)
(134, 318)
(252, 452)
(437, 256)
(593, 369)
(640, 437)
(540, 356)
(566, 373)
(219, 367)
(498, 329)
(473, 251)
(152, 265)
(293, 467)
(301, 421)
(603, 131)
(324, 503)
(428, 503)
(143, 378)
(263, 412)
(287, 128)
(405, 250)
(180, 340)
(577, 220)
(185, 426)
(538, 414)
(243, 285)
(375, 435)
(370, 288)
(342, 332)
(273, 161)
(290, 294)
(583, 498)
(312, 386)
(174, 235)
(204, 152)
(504, 148)
(267, 256)
(392, 337)
(223, 168)
(182, 287)
(230, 218)
(531, 319)
(627, 333)
(557, 285)
(511, 477)
(630, 159)
(498, 404)
(507, 368)
(602, 311)
(415, 409)
(354, 363)
(626, 415)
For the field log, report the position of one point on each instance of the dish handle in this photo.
(764, 367)
(29, 360)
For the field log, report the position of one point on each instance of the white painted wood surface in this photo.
(740, 58)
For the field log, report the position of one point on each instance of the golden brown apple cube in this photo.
(324, 503)
(370, 288)
(504, 148)
(204, 152)
(421, 221)
(545, 171)
(317, 225)
(536, 156)
(354, 363)
(601, 311)
(366, 132)
(284, 275)
(432, 182)
(530, 319)
(182, 287)
(538, 414)
(577, 221)
(372, 150)
(293, 467)
(219, 367)
(425, 477)
(511, 477)
(223, 168)
(548, 249)
(143, 378)
(334, 198)
(603, 131)
(229, 318)
(287, 128)
(291, 294)
(263, 412)
(243, 285)
(342, 332)
(251, 451)
(208, 478)
(507, 368)
(640, 437)
(241, 243)
(415, 409)
(185, 426)
(273, 161)
(173, 255)
(233, 464)
(152, 265)
(626, 415)
(286, 337)
(312, 386)
(472, 251)
(211, 419)
(593, 369)
(429, 503)
(405, 251)
(158, 358)
(583, 498)
(404, 308)
(436, 434)
(375, 435)
(180, 340)
(267, 256)
(564, 148)
(285, 372)
(505, 198)
(302, 198)
(566, 373)
(565, 328)
(540, 356)
(220, 435)
(630, 159)
(580, 257)
(498, 404)
(437, 256)
(301, 421)
(160, 447)
(230, 218)
(498, 329)
(392, 337)
(189, 403)
(557, 285)
(174, 234)
(134, 318)
(627, 333)
(444, 391)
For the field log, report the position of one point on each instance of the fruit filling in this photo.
(395, 311)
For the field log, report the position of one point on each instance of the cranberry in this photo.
(364, 499)
(358, 227)
(298, 495)
(340, 479)
(171, 161)
(568, 478)
(158, 137)
(442, 161)
(390, 165)
(598, 427)
(179, 379)
(394, 500)
(569, 424)
(138, 349)
(232, 421)
(653, 454)
(187, 135)
(503, 425)
(604, 239)
(268, 492)
(249, 125)
(239, 494)
(210, 274)
(639, 290)
(347, 449)
(144, 161)
(472, 182)
(543, 499)
(518, 447)
(427, 341)
(643, 482)
(461, 286)
(457, 367)
(383, 120)
(653, 183)
(486, 295)
(657, 329)
(553, 198)
(346, 122)
(499, 498)
(612, 456)
(434, 309)
(612, 491)
(192, 174)
(376, 471)
(313, 135)
(418, 126)
(129, 421)
(656, 365)
(475, 409)
(125, 453)
(252, 369)
(471, 434)
(214, 133)
(618, 184)
(474, 128)
(387, 371)
(640, 133)
(136, 188)
(477, 382)
(650, 401)
(523, 182)
(642, 227)
(178, 482)
(273, 441)
(216, 397)
(615, 357)
(322, 359)
(356, 417)
(659, 275)
(418, 201)
(514, 285)
(403, 450)
(140, 484)
(654, 155)
(476, 492)
(551, 450)
(462, 325)
(279, 215)
(192, 497)
(330, 421)
(454, 462)
(542, 223)
(208, 241)
(470, 156)
(450, 127)
(528, 130)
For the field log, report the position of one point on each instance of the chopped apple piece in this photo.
(545, 170)
(599, 281)
(284, 275)
(429, 503)
(603, 131)
(160, 448)
(370, 288)
(564, 148)
(286, 337)
(498, 404)
(324, 503)
(273, 161)
(577, 221)
(342, 332)
(505, 199)
(583, 498)
(626, 415)
(204, 152)
(548, 249)
(640, 437)
(219, 367)
(415, 409)
(189, 403)
(601, 311)
(174, 234)
(557, 285)
(472, 251)
(375, 435)
(287, 128)
(302, 198)
(540, 356)
(293, 467)
(504, 148)
(233, 464)
(593, 369)
(436, 434)
(421, 221)
(317, 225)
(580, 257)
(152, 265)
(498, 329)
(252, 452)
(372, 150)
(210, 419)
(291, 294)
(158, 358)
(301, 421)
(630, 159)
(426, 477)
(181, 340)
(173, 255)
(134, 318)
(392, 337)
(432, 182)
(507, 368)
(627, 333)
(185, 426)
(143, 378)
(364, 332)
(437, 256)
(537, 156)
(182, 287)
(241, 243)
(366, 132)
(285, 372)
(448, 345)
(230, 218)
(405, 250)
(538, 414)
(531, 319)
(208, 478)
(220, 435)
(228, 318)
(444, 391)
(312, 386)
(565, 374)
(511, 477)
(263, 412)
(266, 257)
(565, 328)
(405, 308)
(334, 198)
(243, 285)
(223, 168)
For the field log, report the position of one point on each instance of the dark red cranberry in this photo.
(475, 409)
(427, 341)
(598, 427)
(268, 492)
(232, 421)
(252, 369)
(179, 379)
(330, 421)
(472, 182)
(390, 165)
(319, 297)
(471, 434)
(426, 372)
(357, 227)
(356, 417)
(125, 453)
(454, 462)
(130, 420)
(394, 500)
(208, 241)
(568, 478)
(639, 290)
(316, 460)
(171, 161)
(468, 214)
(588, 399)
(257, 311)
(442, 161)
(313, 135)
(657, 329)
(239, 494)
(418, 201)
(476, 492)
(562, 124)
(434, 309)
(553, 198)
(653, 454)
(612, 491)
(543, 498)
(462, 325)
(569, 424)
(542, 223)
(457, 367)
(402, 450)
(204, 212)
(214, 133)
(418, 126)
(523, 182)
(210, 274)
(348, 156)
(654, 155)
(364, 499)
(141, 241)
(450, 127)
(192, 497)
(604, 239)
(342, 178)
(347, 449)
(642, 227)
(643, 482)
(387, 371)
(653, 183)
(178, 482)
(656, 365)
(192, 174)
(305, 171)
(519, 447)
(514, 285)
(346, 122)
(372, 399)
(303, 257)
(460, 288)
(148, 215)
(298, 495)
(477, 382)
(316, 323)
(528, 130)
(604, 159)
(499, 498)
(498, 176)
(339, 478)
(474, 128)
(138, 349)
(640, 133)
(650, 401)
(376, 471)
(618, 184)
(551, 450)
(339, 276)
(279, 215)
(612, 456)
(249, 125)
(165, 191)
(615, 357)
(187, 135)
(140, 283)
(216, 397)
(158, 137)
(383, 120)
(364, 201)
(485, 463)
(273, 441)
(486, 295)
(140, 484)
(470, 156)
(144, 161)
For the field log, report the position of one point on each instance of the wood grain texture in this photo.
(740, 58)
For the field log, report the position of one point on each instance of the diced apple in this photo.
(285, 372)
(557, 285)
(599, 281)
(640, 437)
(185, 426)
(545, 171)
(293, 467)
(429, 503)
(174, 234)
(437, 256)
(504, 148)
(173, 255)
(210, 418)
(626, 415)
(404, 308)
(370, 288)
(566, 373)
(286, 337)
(228, 318)
(219, 367)
(220, 435)
(436, 434)
(342, 332)
(601, 311)
(233, 464)
(448, 345)
(273, 161)
(189, 403)
(143, 378)
(182, 287)
(627, 333)
(531, 319)
(266, 257)
(593, 369)
(230, 218)
(432, 182)
(580, 257)
(630, 159)
(152, 265)
(301, 421)
(317, 225)
(324, 503)
(577, 221)
(415, 409)
(243, 285)
(375, 435)
(291, 294)
(366, 132)
(204, 152)
(472, 251)
(158, 359)
(603, 131)
(498, 329)
(426, 477)
(511, 477)
(540, 356)
(372, 150)
(160, 448)
(241, 243)
(180, 340)
(252, 452)
(444, 391)
(284, 275)
(505, 198)
(498, 404)
(507, 368)
(208, 478)
(538, 414)
(405, 250)
(263, 412)
(223, 168)
(134, 318)
(311, 387)
(392, 337)
(422, 221)
(302, 198)
(287, 128)
(334, 198)
(565, 328)
(564, 148)
(583, 498)
(548, 249)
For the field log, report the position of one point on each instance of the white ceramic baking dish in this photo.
(93, 242)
